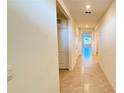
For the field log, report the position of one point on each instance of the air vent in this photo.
(88, 12)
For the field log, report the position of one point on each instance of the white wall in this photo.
(107, 44)
(95, 38)
(73, 44)
(32, 46)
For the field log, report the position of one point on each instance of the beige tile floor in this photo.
(87, 77)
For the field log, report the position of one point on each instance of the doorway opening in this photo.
(63, 39)
(87, 46)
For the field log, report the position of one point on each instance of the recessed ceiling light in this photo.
(88, 6)
(86, 26)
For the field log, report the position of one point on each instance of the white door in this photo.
(63, 47)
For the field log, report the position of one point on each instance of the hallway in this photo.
(61, 46)
(85, 78)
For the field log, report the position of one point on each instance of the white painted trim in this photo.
(63, 7)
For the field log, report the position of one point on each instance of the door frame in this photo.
(63, 9)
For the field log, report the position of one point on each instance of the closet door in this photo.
(63, 47)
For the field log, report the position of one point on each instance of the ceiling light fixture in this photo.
(88, 6)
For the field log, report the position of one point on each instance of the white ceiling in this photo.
(77, 9)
